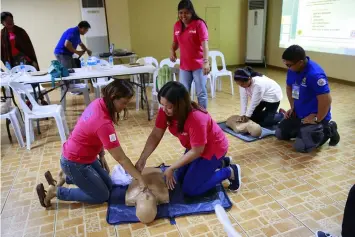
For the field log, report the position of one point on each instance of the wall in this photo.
(335, 65)
(118, 23)
(151, 26)
(44, 21)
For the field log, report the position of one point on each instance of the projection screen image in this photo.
(319, 25)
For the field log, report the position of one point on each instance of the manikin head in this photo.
(146, 207)
(117, 95)
(294, 57)
(243, 76)
(254, 129)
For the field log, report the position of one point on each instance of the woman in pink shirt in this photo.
(204, 141)
(191, 36)
(93, 132)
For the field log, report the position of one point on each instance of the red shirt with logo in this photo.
(190, 44)
(199, 130)
(93, 131)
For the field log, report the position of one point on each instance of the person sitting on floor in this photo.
(308, 93)
(265, 96)
(93, 132)
(206, 144)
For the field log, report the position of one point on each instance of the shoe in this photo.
(226, 161)
(323, 234)
(237, 181)
(335, 138)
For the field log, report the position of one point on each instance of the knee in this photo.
(188, 189)
(299, 146)
(278, 134)
(102, 196)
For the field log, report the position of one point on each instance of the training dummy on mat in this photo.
(235, 123)
(146, 200)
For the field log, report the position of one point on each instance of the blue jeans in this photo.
(200, 175)
(186, 78)
(94, 183)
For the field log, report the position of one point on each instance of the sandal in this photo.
(50, 179)
(41, 194)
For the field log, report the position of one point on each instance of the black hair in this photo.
(294, 53)
(187, 4)
(243, 74)
(177, 94)
(4, 15)
(84, 24)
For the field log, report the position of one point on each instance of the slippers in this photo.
(50, 179)
(41, 194)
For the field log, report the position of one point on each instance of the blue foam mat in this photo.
(180, 205)
(246, 137)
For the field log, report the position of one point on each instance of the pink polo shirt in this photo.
(199, 130)
(93, 131)
(190, 44)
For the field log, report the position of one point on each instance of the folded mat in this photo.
(246, 137)
(180, 205)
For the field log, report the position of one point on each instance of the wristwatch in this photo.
(315, 119)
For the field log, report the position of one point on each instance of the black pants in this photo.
(308, 136)
(348, 228)
(264, 114)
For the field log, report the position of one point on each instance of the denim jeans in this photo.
(186, 78)
(200, 175)
(93, 182)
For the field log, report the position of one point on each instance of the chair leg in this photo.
(86, 97)
(28, 131)
(64, 101)
(231, 79)
(17, 129)
(61, 128)
(47, 98)
(65, 124)
(8, 121)
(137, 97)
(19, 119)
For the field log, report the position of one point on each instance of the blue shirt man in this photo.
(72, 35)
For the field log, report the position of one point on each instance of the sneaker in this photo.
(237, 181)
(323, 234)
(334, 140)
(226, 161)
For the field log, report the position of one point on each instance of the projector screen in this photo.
(319, 25)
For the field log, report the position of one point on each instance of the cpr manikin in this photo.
(250, 127)
(146, 201)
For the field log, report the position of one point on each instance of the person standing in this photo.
(308, 93)
(16, 45)
(191, 36)
(68, 43)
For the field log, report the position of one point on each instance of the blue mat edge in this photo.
(172, 219)
(230, 133)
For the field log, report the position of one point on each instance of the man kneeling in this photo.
(308, 92)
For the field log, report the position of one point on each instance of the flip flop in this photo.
(50, 179)
(41, 194)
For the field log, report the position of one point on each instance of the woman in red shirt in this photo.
(191, 36)
(204, 141)
(93, 132)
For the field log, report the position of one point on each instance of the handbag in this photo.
(57, 70)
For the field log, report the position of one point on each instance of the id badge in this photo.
(296, 92)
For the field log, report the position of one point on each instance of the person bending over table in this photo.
(308, 93)
(191, 36)
(265, 96)
(205, 143)
(93, 132)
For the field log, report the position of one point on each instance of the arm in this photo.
(243, 101)
(153, 141)
(255, 100)
(70, 47)
(205, 50)
(174, 47)
(324, 102)
(289, 95)
(83, 46)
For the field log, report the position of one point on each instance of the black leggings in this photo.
(264, 114)
(348, 228)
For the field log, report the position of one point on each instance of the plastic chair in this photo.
(168, 62)
(29, 88)
(38, 112)
(224, 219)
(101, 82)
(78, 88)
(216, 74)
(17, 124)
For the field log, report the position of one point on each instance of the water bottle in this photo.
(22, 68)
(8, 66)
(110, 60)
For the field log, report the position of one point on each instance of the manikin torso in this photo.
(250, 127)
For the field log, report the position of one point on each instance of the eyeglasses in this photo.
(290, 65)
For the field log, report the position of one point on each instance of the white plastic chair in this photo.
(101, 82)
(216, 74)
(168, 62)
(29, 88)
(79, 88)
(38, 112)
(224, 219)
(16, 122)
(145, 61)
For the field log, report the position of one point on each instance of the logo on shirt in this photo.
(113, 138)
(321, 82)
(184, 134)
(304, 82)
(192, 31)
(177, 32)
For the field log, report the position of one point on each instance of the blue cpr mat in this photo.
(180, 205)
(246, 137)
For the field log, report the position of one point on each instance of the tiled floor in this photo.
(283, 194)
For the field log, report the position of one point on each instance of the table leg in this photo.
(144, 92)
(36, 99)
